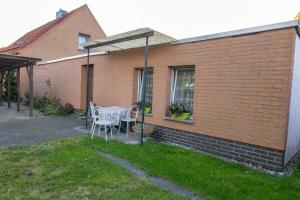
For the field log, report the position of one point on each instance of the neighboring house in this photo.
(242, 87)
(58, 38)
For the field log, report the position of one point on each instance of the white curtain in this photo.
(184, 87)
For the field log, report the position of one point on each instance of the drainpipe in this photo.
(143, 89)
(87, 88)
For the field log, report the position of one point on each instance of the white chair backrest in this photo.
(92, 108)
(134, 109)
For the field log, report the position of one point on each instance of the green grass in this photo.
(204, 174)
(72, 169)
(69, 169)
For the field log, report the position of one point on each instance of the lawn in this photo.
(69, 169)
(72, 169)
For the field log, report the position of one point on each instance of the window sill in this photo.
(188, 121)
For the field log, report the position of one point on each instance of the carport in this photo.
(8, 63)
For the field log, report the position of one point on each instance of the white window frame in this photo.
(140, 82)
(174, 79)
(80, 47)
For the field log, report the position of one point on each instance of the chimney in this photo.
(60, 13)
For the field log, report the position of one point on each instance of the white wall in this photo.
(293, 138)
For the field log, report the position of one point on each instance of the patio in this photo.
(17, 128)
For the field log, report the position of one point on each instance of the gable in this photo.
(59, 37)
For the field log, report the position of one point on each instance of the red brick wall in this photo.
(242, 84)
(62, 41)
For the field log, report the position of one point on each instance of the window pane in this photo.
(149, 86)
(184, 87)
(82, 39)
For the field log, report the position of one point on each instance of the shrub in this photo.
(52, 110)
(49, 104)
(67, 109)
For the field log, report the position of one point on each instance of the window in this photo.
(82, 39)
(183, 87)
(148, 88)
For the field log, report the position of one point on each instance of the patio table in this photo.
(114, 113)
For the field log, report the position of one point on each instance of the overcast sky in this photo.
(177, 18)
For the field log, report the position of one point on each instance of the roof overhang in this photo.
(8, 62)
(253, 30)
(129, 40)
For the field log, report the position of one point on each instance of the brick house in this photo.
(240, 86)
(58, 38)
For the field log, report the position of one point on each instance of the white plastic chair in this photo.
(93, 110)
(127, 117)
(100, 119)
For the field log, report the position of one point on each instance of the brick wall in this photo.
(61, 41)
(242, 85)
(257, 156)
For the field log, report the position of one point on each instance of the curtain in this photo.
(184, 87)
(149, 86)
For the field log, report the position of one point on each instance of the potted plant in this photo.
(179, 112)
(148, 129)
(147, 107)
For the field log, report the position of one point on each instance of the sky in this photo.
(177, 18)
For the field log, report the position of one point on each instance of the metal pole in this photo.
(31, 90)
(8, 88)
(87, 88)
(18, 89)
(1, 88)
(144, 88)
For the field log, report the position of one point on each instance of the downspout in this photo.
(143, 88)
(87, 88)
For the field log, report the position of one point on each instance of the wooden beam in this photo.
(1, 88)
(9, 88)
(18, 90)
(31, 91)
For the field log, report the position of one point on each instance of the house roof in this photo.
(159, 38)
(37, 33)
(245, 31)
(129, 40)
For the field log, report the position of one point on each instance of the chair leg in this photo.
(99, 130)
(111, 135)
(105, 133)
(93, 132)
(119, 127)
(127, 128)
(92, 126)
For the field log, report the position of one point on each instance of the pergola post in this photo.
(18, 90)
(87, 88)
(8, 88)
(144, 88)
(30, 90)
(1, 88)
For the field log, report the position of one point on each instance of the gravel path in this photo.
(163, 183)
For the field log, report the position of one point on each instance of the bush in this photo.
(52, 110)
(49, 104)
(67, 109)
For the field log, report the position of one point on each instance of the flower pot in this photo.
(147, 110)
(181, 116)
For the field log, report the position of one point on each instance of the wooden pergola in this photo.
(8, 63)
